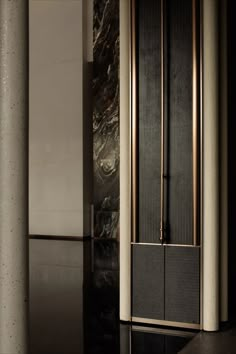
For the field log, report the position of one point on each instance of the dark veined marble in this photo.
(104, 313)
(106, 254)
(106, 113)
(106, 224)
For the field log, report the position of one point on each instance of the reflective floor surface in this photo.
(74, 306)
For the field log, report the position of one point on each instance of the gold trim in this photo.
(195, 115)
(165, 244)
(195, 128)
(162, 236)
(165, 323)
(133, 121)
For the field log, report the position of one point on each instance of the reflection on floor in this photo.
(74, 299)
(223, 342)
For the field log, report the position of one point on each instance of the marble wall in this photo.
(106, 157)
(106, 118)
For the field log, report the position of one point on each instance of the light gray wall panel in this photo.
(60, 159)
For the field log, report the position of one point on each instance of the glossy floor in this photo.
(74, 307)
(74, 299)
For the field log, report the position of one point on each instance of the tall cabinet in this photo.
(170, 212)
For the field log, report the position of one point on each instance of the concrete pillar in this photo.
(13, 176)
(210, 165)
(125, 164)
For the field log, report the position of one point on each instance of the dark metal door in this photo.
(166, 247)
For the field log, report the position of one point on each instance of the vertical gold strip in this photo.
(195, 113)
(134, 120)
(162, 123)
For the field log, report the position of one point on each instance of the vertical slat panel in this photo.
(148, 281)
(180, 196)
(182, 284)
(149, 119)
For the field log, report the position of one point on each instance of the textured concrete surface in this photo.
(13, 176)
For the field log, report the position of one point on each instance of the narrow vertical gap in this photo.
(168, 226)
(166, 122)
(137, 29)
(164, 142)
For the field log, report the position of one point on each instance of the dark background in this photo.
(231, 158)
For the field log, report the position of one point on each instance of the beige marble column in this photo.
(125, 164)
(223, 162)
(13, 176)
(211, 185)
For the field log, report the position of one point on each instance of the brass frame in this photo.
(164, 245)
(195, 127)
(196, 141)
(133, 105)
(166, 323)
